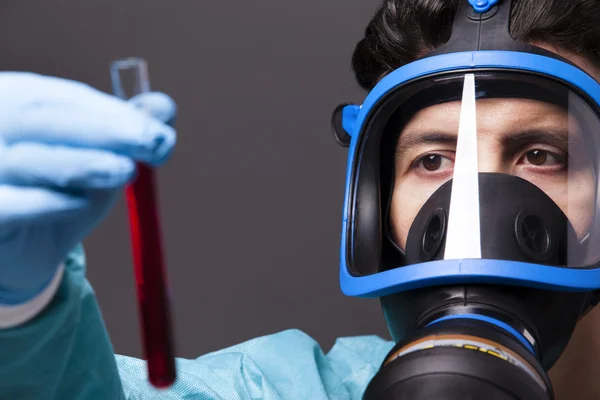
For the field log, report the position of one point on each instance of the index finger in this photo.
(61, 112)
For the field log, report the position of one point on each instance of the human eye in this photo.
(436, 164)
(541, 159)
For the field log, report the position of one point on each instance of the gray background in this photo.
(251, 201)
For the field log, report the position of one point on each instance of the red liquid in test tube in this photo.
(144, 222)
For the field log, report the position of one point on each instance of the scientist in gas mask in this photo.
(471, 210)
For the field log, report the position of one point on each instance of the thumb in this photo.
(158, 104)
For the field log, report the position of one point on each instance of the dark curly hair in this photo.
(403, 30)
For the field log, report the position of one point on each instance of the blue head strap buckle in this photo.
(482, 6)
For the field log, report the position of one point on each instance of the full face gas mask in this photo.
(471, 211)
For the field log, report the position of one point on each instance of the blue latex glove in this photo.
(66, 150)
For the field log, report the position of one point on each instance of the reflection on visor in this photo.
(463, 237)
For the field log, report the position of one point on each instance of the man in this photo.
(67, 150)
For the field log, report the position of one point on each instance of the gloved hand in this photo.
(66, 151)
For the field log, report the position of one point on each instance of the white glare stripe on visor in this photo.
(463, 238)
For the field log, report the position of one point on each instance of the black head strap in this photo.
(490, 30)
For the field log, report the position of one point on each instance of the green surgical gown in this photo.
(65, 353)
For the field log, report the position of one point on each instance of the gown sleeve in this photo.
(65, 353)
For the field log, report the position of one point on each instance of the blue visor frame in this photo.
(467, 271)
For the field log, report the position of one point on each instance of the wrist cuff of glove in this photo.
(14, 315)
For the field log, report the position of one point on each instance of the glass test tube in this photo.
(129, 78)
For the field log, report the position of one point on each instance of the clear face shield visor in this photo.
(489, 165)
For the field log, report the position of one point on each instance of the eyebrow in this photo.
(556, 137)
(412, 139)
(510, 141)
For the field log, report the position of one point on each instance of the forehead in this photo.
(493, 115)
